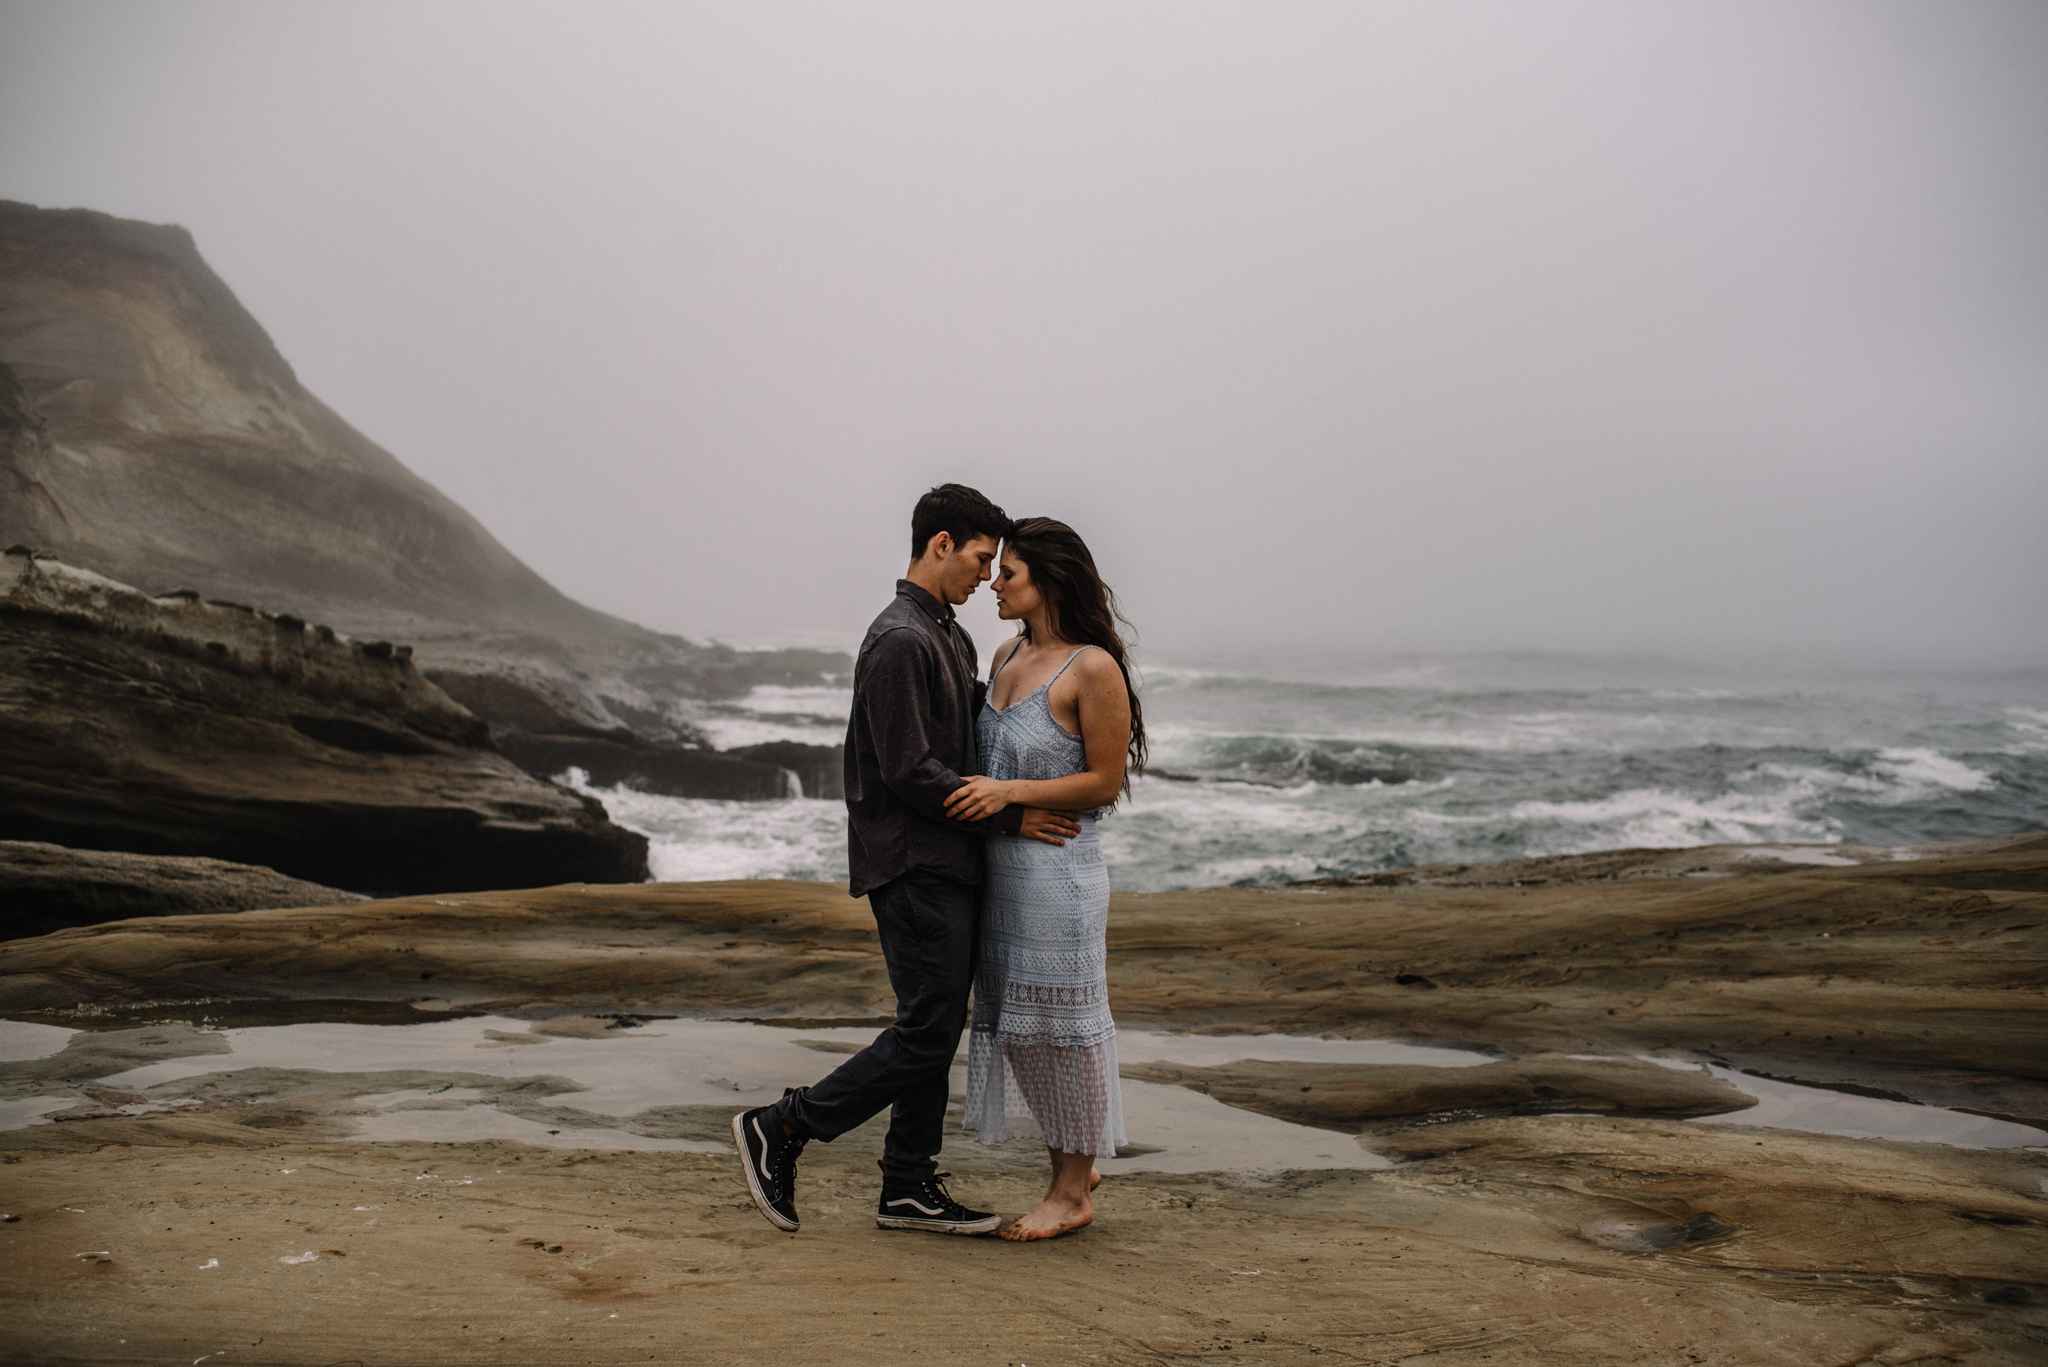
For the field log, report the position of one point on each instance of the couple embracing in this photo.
(972, 814)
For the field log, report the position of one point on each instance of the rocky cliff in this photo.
(151, 431)
(181, 726)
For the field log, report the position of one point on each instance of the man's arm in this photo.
(895, 682)
(896, 692)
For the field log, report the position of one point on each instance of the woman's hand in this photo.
(977, 798)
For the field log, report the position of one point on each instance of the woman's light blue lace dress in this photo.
(1041, 1054)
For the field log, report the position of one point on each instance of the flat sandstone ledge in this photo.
(1938, 962)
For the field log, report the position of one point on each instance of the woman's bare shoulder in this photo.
(1004, 652)
(1096, 666)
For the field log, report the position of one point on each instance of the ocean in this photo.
(1274, 772)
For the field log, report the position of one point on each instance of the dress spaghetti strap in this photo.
(1042, 687)
(1063, 668)
(1001, 667)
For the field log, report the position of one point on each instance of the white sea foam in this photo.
(692, 839)
(1525, 733)
(732, 732)
(2030, 729)
(1654, 818)
(1892, 777)
(821, 700)
(773, 712)
(1917, 772)
(1500, 773)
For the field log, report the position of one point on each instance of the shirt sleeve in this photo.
(897, 695)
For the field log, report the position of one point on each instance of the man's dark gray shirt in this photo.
(909, 744)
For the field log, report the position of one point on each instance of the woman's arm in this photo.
(1105, 712)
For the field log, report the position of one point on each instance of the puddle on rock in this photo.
(617, 1081)
(1857, 1115)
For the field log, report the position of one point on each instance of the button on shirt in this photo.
(910, 743)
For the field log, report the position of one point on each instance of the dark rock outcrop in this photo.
(47, 887)
(175, 725)
(546, 744)
(669, 769)
(151, 431)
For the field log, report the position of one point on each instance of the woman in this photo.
(1060, 723)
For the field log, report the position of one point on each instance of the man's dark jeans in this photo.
(929, 927)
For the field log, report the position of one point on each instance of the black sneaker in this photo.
(926, 1205)
(770, 1159)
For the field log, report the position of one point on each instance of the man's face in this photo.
(966, 569)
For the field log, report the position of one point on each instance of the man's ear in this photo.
(940, 546)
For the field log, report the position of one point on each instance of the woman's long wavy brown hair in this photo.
(1082, 609)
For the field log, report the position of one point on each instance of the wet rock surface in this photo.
(175, 726)
(1545, 1239)
(646, 768)
(46, 887)
(1870, 972)
(1349, 1097)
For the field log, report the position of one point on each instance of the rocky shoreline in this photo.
(1547, 1207)
(248, 659)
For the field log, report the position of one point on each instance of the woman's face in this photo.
(1016, 596)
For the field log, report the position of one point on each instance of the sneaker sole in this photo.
(986, 1226)
(739, 1139)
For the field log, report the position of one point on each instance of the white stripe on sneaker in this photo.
(908, 1201)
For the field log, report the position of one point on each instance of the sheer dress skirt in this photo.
(1041, 1054)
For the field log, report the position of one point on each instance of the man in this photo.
(909, 744)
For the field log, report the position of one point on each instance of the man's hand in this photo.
(1054, 828)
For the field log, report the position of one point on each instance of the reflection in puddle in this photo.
(1789, 1106)
(620, 1082)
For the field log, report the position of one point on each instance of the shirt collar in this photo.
(941, 613)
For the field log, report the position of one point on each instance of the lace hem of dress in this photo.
(1068, 1095)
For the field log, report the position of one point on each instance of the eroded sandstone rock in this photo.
(46, 887)
(1350, 1096)
(174, 725)
(1916, 977)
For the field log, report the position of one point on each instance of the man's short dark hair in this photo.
(955, 508)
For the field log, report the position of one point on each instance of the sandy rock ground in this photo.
(1509, 1238)
(1519, 1241)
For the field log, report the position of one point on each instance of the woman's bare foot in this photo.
(1094, 1181)
(1052, 1218)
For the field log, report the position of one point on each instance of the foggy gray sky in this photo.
(1676, 327)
